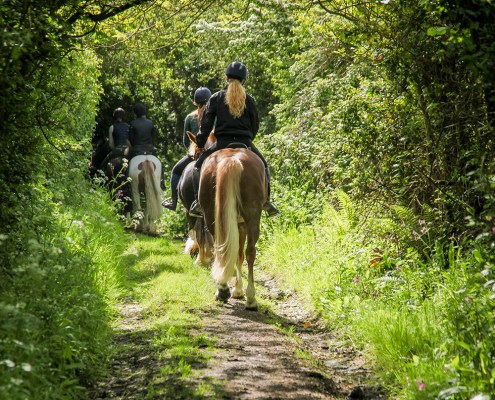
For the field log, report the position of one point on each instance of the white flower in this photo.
(27, 367)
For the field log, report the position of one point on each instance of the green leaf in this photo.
(455, 361)
(437, 30)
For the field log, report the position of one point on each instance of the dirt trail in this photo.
(255, 358)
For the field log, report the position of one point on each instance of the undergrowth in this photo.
(422, 309)
(58, 286)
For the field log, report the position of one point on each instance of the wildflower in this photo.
(422, 224)
(120, 193)
(421, 385)
(27, 367)
(493, 229)
(415, 235)
(356, 279)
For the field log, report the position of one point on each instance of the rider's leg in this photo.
(270, 209)
(171, 203)
(196, 210)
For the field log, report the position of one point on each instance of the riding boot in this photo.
(195, 210)
(270, 209)
(171, 204)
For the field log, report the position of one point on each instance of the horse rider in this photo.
(143, 135)
(191, 124)
(233, 113)
(118, 137)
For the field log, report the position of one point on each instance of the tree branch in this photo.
(103, 15)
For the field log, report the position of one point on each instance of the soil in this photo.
(255, 358)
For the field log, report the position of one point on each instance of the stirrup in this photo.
(170, 204)
(195, 210)
(270, 209)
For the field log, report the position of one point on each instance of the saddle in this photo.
(142, 150)
(236, 145)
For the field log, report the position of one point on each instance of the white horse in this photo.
(145, 172)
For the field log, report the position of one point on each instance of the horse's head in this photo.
(193, 147)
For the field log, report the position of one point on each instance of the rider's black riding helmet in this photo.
(118, 113)
(202, 95)
(236, 70)
(139, 109)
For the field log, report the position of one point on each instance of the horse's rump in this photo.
(145, 173)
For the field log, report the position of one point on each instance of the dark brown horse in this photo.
(232, 191)
(200, 242)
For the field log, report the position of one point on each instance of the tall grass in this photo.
(421, 310)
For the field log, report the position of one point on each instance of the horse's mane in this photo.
(191, 151)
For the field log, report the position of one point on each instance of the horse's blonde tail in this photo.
(152, 192)
(226, 211)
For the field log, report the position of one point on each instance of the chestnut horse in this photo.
(232, 191)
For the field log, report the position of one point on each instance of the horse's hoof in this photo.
(238, 294)
(252, 307)
(223, 294)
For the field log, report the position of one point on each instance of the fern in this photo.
(404, 215)
(347, 208)
(335, 220)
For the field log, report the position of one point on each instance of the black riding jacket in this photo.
(217, 115)
(143, 134)
(120, 134)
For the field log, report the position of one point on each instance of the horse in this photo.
(145, 174)
(200, 241)
(232, 190)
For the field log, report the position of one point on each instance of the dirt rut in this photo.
(280, 352)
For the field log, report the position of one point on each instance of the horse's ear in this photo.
(191, 136)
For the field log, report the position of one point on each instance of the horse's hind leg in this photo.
(252, 238)
(238, 293)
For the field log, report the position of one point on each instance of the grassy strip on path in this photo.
(155, 349)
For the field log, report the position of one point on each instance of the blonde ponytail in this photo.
(200, 112)
(235, 98)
